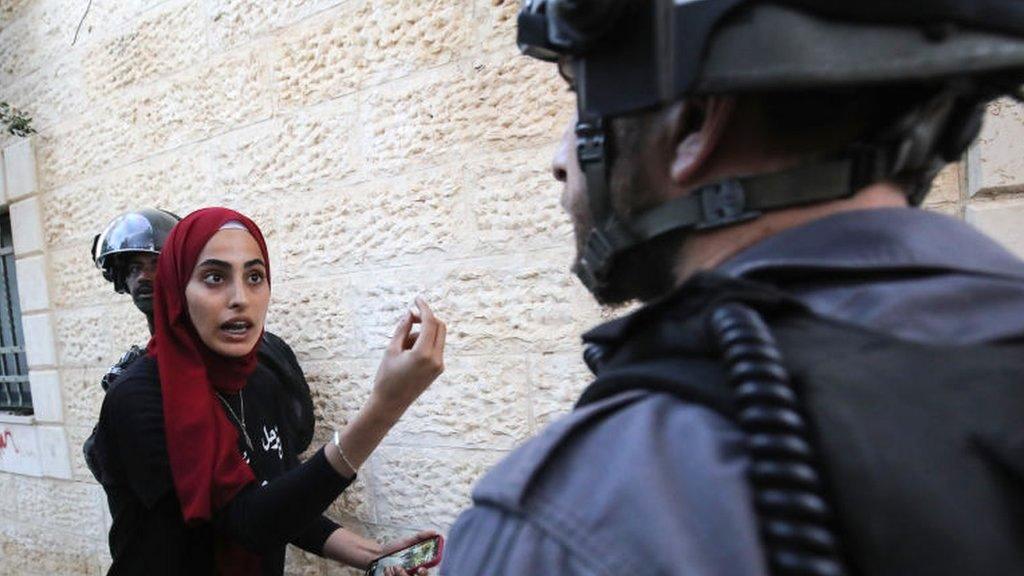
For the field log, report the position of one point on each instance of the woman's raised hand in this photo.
(412, 361)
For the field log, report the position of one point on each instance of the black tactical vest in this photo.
(921, 447)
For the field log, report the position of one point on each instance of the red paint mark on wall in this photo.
(7, 439)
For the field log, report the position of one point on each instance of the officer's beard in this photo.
(144, 304)
(645, 272)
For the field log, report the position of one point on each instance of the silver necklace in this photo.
(239, 421)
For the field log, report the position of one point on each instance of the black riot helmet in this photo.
(626, 56)
(139, 231)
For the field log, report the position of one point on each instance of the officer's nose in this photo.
(148, 274)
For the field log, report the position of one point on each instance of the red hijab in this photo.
(202, 444)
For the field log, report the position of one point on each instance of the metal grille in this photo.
(15, 395)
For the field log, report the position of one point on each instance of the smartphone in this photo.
(423, 554)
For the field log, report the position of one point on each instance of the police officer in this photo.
(824, 379)
(126, 251)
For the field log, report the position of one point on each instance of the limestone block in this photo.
(337, 569)
(76, 439)
(104, 561)
(74, 217)
(27, 226)
(946, 188)
(228, 92)
(83, 395)
(556, 384)
(7, 492)
(32, 286)
(40, 348)
(339, 388)
(20, 169)
(314, 321)
(3, 178)
(491, 105)
(525, 302)
(11, 9)
(496, 306)
(383, 222)
(40, 550)
(315, 147)
(952, 210)
(496, 25)
(1002, 221)
(161, 42)
(301, 563)
(19, 450)
(996, 159)
(356, 502)
(105, 138)
(426, 488)
(516, 203)
(98, 336)
(479, 402)
(52, 25)
(77, 281)
(127, 328)
(233, 22)
(363, 43)
(177, 181)
(69, 506)
(46, 396)
(54, 459)
(19, 53)
(53, 93)
(81, 334)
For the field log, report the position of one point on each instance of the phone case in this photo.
(431, 564)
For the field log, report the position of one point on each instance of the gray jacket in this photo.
(643, 483)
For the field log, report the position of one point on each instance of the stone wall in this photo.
(387, 149)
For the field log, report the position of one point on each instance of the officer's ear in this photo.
(698, 125)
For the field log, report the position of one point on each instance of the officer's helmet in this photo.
(139, 231)
(627, 56)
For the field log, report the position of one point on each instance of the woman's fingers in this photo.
(428, 327)
(410, 340)
(442, 333)
(408, 541)
(401, 333)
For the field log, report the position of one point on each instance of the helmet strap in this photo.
(717, 205)
(912, 152)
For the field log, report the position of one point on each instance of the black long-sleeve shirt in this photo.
(148, 534)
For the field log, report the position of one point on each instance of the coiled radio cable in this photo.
(788, 487)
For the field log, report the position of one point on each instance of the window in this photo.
(15, 395)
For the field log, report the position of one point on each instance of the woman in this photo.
(202, 477)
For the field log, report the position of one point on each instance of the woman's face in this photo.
(228, 293)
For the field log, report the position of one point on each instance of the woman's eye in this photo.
(213, 278)
(255, 277)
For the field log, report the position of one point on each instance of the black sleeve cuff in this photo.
(314, 537)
